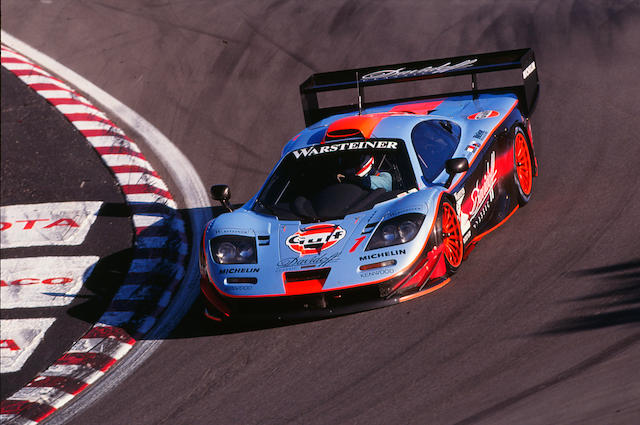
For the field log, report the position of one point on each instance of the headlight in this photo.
(395, 231)
(232, 249)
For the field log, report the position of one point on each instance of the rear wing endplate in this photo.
(360, 78)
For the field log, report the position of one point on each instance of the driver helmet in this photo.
(365, 165)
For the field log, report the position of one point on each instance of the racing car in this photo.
(375, 203)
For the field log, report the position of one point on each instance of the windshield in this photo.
(435, 141)
(332, 180)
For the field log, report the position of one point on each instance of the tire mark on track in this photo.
(570, 373)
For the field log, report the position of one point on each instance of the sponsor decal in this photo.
(484, 191)
(528, 70)
(480, 134)
(230, 231)
(345, 146)
(240, 270)
(481, 197)
(316, 238)
(19, 339)
(315, 261)
(472, 147)
(57, 223)
(429, 70)
(383, 254)
(378, 272)
(483, 115)
(480, 215)
(42, 281)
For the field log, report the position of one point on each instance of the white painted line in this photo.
(145, 265)
(146, 220)
(151, 198)
(96, 125)
(97, 345)
(60, 94)
(140, 178)
(21, 66)
(151, 242)
(42, 281)
(117, 318)
(108, 141)
(78, 371)
(42, 395)
(83, 109)
(19, 339)
(55, 223)
(118, 160)
(42, 79)
(133, 292)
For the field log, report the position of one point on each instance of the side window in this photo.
(435, 141)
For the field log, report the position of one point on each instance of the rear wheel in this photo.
(523, 167)
(453, 248)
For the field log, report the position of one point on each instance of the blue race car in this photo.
(375, 203)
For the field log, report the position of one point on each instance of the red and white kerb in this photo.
(157, 226)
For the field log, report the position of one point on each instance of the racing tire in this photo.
(522, 167)
(450, 235)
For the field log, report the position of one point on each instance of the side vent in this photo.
(369, 228)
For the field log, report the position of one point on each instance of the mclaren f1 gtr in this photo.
(375, 203)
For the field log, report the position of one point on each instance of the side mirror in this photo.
(455, 166)
(222, 193)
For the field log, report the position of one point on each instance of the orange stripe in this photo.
(477, 238)
(425, 292)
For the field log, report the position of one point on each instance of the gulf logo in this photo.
(316, 238)
(483, 114)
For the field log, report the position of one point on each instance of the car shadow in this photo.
(615, 303)
(113, 276)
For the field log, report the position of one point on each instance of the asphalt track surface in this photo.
(539, 326)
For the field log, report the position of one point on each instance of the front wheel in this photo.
(523, 167)
(451, 236)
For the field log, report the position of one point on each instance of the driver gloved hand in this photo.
(363, 182)
(353, 179)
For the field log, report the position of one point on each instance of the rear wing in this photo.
(360, 78)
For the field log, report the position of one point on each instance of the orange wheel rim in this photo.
(451, 235)
(523, 164)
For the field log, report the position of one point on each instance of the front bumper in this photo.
(426, 273)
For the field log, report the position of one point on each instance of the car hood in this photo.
(338, 245)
